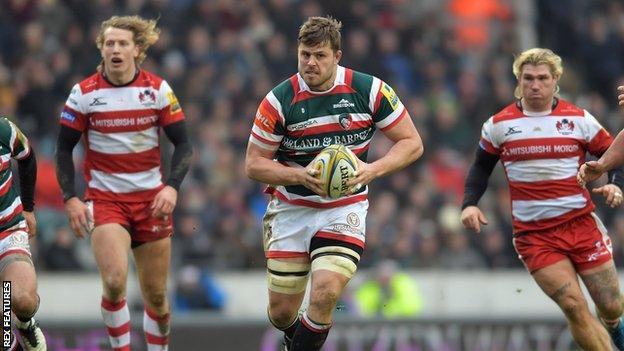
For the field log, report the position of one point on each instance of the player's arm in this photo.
(182, 153)
(67, 140)
(260, 166)
(474, 188)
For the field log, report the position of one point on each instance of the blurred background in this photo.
(424, 283)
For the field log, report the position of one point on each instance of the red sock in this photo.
(156, 330)
(117, 319)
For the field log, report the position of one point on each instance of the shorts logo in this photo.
(19, 239)
(353, 220)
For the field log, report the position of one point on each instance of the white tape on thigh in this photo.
(333, 259)
(287, 277)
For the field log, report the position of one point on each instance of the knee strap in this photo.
(337, 259)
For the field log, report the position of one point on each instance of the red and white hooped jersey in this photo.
(121, 126)
(541, 154)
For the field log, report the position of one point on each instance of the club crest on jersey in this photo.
(345, 121)
(565, 127)
(147, 97)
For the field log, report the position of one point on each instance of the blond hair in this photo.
(145, 34)
(320, 30)
(537, 56)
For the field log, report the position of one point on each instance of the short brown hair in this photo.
(320, 30)
(144, 32)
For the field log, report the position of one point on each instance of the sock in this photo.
(156, 330)
(310, 335)
(20, 323)
(117, 319)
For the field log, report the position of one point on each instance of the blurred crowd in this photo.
(449, 61)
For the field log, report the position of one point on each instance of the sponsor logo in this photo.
(68, 116)
(297, 143)
(345, 228)
(147, 97)
(345, 120)
(565, 127)
(537, 129)
(173, 102)
(344, 103)
(97, 101)
(262, 120)
(301, 125)
(513, 130)
(390, 95)
(539, 149)
(353, 219)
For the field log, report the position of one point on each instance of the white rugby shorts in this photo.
(288, 229)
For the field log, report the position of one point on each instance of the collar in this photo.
(340, 80)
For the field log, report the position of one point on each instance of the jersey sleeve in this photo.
(387, 108)
(268, 126)
(20, 146)
(488, 141)
(74, 112)
(597, 138)
(171, 111)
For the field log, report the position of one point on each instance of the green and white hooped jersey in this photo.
(297, 123)
(13, 144)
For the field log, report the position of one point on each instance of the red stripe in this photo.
(521, 227)
(389, 126)
(153, 315)
(544, 190)
(348, 76)
(487, 146)
(15, 251)
(285, 254)
(122, 348)
(266, 141)
(156, 340)
(4, 189)
(123, 163)
(600, 142)
(119, 331)
(567, 109)
(311, 328)
(305, 95)
(17, 210)
(302, 202)
(137, 196)
(294, 83)
(360, 151)
(378, 99)
(549, 146)
(340, 237)
(112, 306)
(168, 118)
(334, 127)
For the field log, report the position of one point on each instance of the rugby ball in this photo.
(336, 165)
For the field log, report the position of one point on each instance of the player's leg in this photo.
(152, 262)
(559, 281)
(18, 268)
(604, 288)
(287, 279)
(111, 244)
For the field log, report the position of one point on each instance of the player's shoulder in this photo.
(509, 112)
(147, 78)
(286, 90)
(566, 108)
(89, 84)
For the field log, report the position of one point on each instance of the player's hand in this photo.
(612, 194)
(31, 222)
(80, 218)
(164, 202)
(365, 174)
(309, 177)
(620, 91)
(589, 171)
(473, 218)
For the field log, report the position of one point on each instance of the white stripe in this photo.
(272, 99)
(126, 182)
(372, 97)
(13, 136)
(534, 210)
(114, 319)
(123, 99)
(123, 143)
(7, 211)
(391, 117)
(120, 341)
(314, 198)
(150, 325)
(266, 135)
(262, 144)
(542, 169)
(5, 158)
(152, 347)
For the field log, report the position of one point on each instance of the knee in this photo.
(574, 307)
(324, 298)
(156, 297)
(114, 285)
(610, 309)
(282, 313)
(24, 303)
